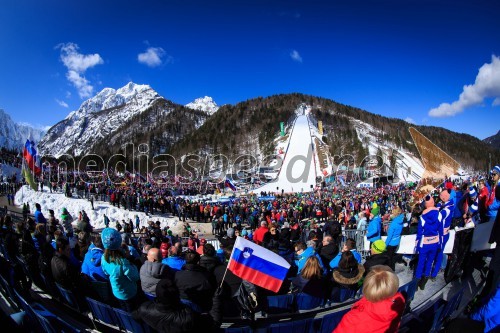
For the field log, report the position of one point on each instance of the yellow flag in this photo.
(29, 179)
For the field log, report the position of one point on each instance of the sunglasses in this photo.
(493, 174)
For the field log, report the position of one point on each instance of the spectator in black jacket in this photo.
(168, 314)
(328, 250)
(378, 256)
(64, 273)
(208, 259)
(196, 285)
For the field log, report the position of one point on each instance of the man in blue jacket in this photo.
(39, 218)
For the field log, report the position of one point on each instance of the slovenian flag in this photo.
(258, 265)
(31, 158)
(230, 184)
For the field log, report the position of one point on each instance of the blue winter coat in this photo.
(394, 232)
(302, 258)
(39, 218)
(91, 265)
(335, 261)
(123, 278)
(489, 313)
(374, 229)
(174, 262)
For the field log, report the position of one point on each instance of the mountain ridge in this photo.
(14, 135)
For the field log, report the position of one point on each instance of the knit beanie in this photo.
(230, 232)
(111, 239)
(378, 246)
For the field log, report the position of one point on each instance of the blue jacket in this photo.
(335, 261)
(493, 208)
(374, 229)
(429, 225)
(458, 197)
(91, 265)
(123, 278)
(174, 262)
(394, 232)
(302, 258)
(39, 218)
(489, 313)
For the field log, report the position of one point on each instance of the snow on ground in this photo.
(368, 134)
(57, 201)
(298, 171)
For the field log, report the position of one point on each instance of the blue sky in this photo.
(396, 58)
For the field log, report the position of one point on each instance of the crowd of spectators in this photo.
(188, 278)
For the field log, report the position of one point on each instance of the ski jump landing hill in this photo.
(298, 170)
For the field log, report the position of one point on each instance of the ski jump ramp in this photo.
(298, 170)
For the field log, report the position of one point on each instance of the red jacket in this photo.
(258, 235)
(164, 249)
(380, 317)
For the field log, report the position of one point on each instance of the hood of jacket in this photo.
(153, 269)
(348, 278)
(95, 256)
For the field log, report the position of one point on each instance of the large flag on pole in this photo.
(31, 158)
(258, 265)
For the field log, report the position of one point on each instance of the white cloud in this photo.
(68, 94)
(410, 120)
(487, 85)
(77, 64)
(295, 56)
(154, 57)
(62, 103)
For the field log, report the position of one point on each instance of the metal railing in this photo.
(359, 238)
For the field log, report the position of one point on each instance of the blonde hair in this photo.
(311, 269)
(381, 283)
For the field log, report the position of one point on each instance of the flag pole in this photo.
(225, 272)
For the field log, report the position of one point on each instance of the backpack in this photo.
(246, 296)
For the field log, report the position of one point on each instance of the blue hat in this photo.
(111, 239)
(496, 169)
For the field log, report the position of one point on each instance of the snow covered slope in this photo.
(298, 171)
(205, 104)
(408, 166)
(56, 201)
(96, 118)
(14, 135)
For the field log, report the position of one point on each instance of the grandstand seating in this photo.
(330, 321)
(129, 324)
(68, 297)
(102, 313)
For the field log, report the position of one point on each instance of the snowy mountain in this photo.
(205, 104)
(252, 128)
(134, 114)
(494, 140)
(96, 118)
(13, 135)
